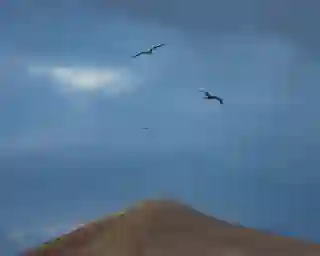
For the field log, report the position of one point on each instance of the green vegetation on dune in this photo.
(55, 242)
(118, 214)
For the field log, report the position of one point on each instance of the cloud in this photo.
(292, 19)
(112, 81)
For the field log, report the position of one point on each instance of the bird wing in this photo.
(157, 46)
(217, 98)
(138, 54)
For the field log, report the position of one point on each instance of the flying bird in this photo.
(208, 96)
(150, 51)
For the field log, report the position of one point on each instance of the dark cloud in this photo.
(293, 19)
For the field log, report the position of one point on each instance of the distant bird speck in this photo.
(148, 52)
(208, 96)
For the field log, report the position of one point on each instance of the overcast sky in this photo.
(74, 105)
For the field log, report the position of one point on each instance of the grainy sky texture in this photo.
(73, 105)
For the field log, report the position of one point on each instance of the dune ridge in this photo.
(171, 228)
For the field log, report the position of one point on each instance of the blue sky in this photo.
(74, 104)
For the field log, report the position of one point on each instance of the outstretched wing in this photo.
(218, 98)
(157, 46)
(138, 54)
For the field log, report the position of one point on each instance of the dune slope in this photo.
(166, 227)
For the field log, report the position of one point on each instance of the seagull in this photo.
(208, 96)
(149, 52)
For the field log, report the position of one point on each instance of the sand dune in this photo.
(169, 228)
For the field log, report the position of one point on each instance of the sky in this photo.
(74, 104)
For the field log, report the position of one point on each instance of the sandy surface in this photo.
(169, 228)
